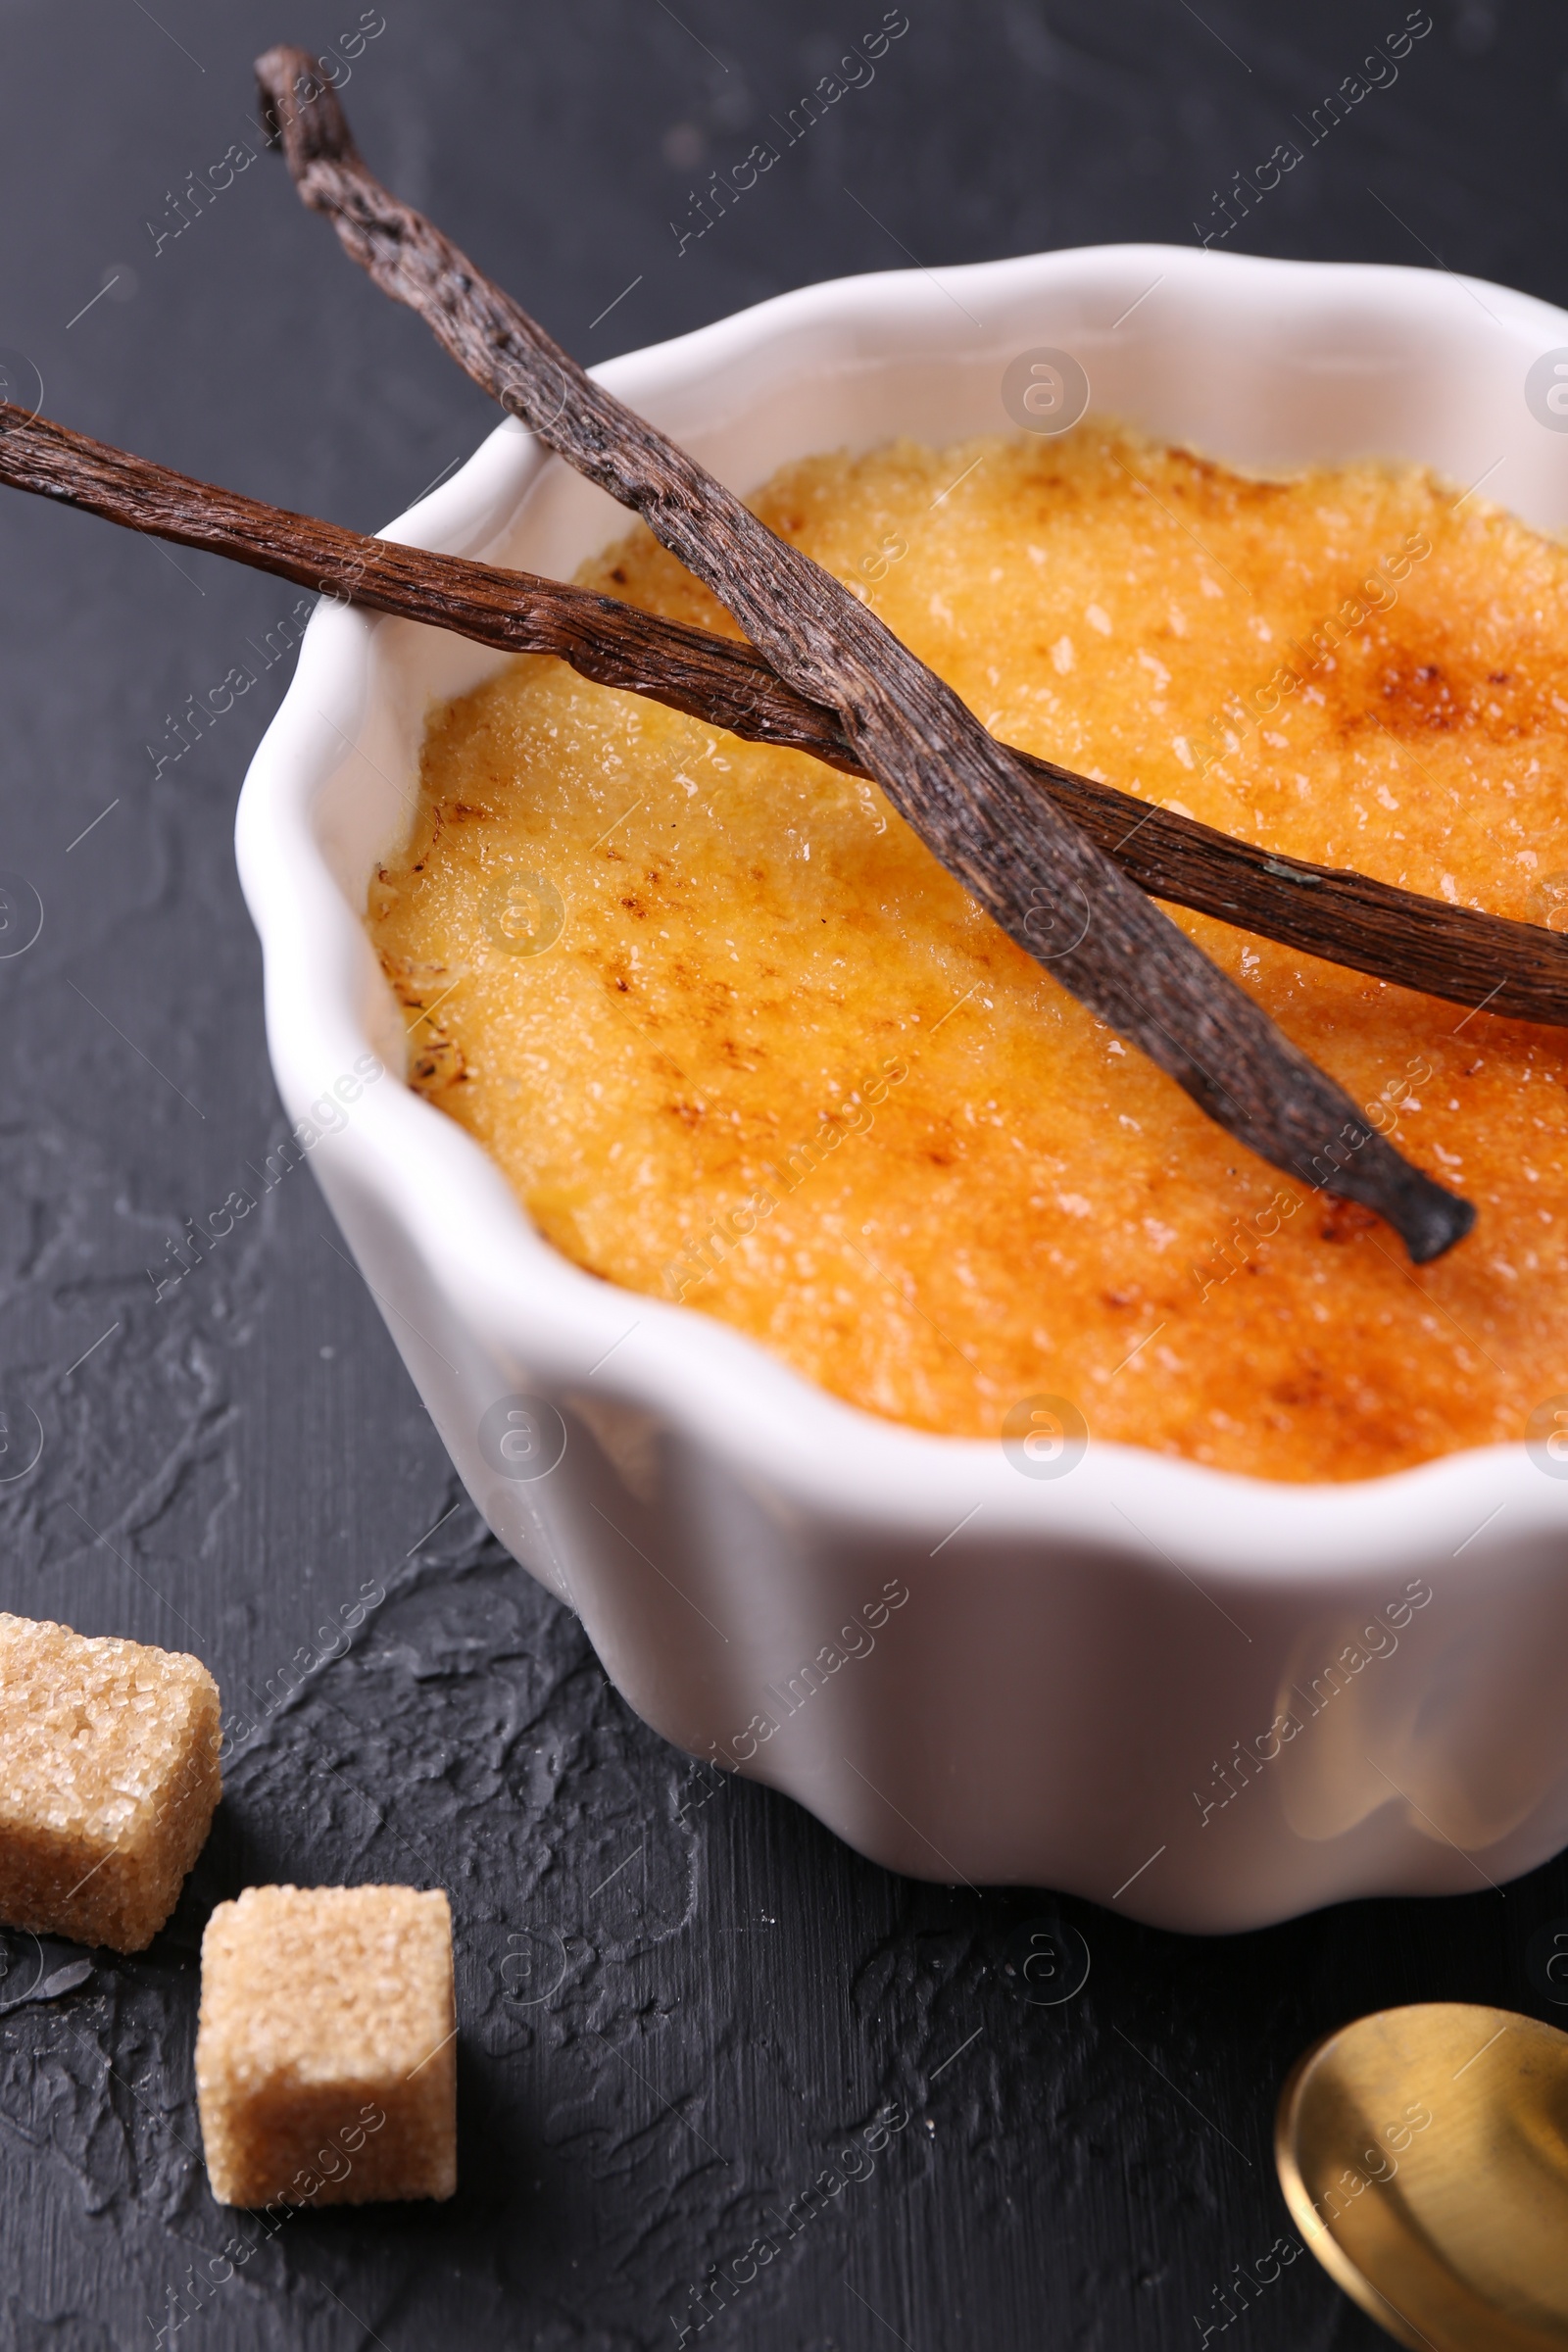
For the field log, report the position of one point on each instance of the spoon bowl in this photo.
(1424, 2157)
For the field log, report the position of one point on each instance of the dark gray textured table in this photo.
(680, 1999)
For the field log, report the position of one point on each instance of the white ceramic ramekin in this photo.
(1207, 1701)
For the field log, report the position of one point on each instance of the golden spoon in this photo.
(1424, 2157)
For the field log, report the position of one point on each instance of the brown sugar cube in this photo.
(109, 1779)
(327, 2049)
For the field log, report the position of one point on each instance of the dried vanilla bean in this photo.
(1042, 878)
(1515, 970)
(1368, 925)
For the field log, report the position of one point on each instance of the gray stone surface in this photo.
(680, 1999)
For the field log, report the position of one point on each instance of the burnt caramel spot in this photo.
(1342, 1220)
(1420, 696)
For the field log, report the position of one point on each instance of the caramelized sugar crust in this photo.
(734, 1036)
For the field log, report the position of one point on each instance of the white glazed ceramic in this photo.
(1207, 1701)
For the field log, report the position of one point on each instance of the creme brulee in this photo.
(735, 1036)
